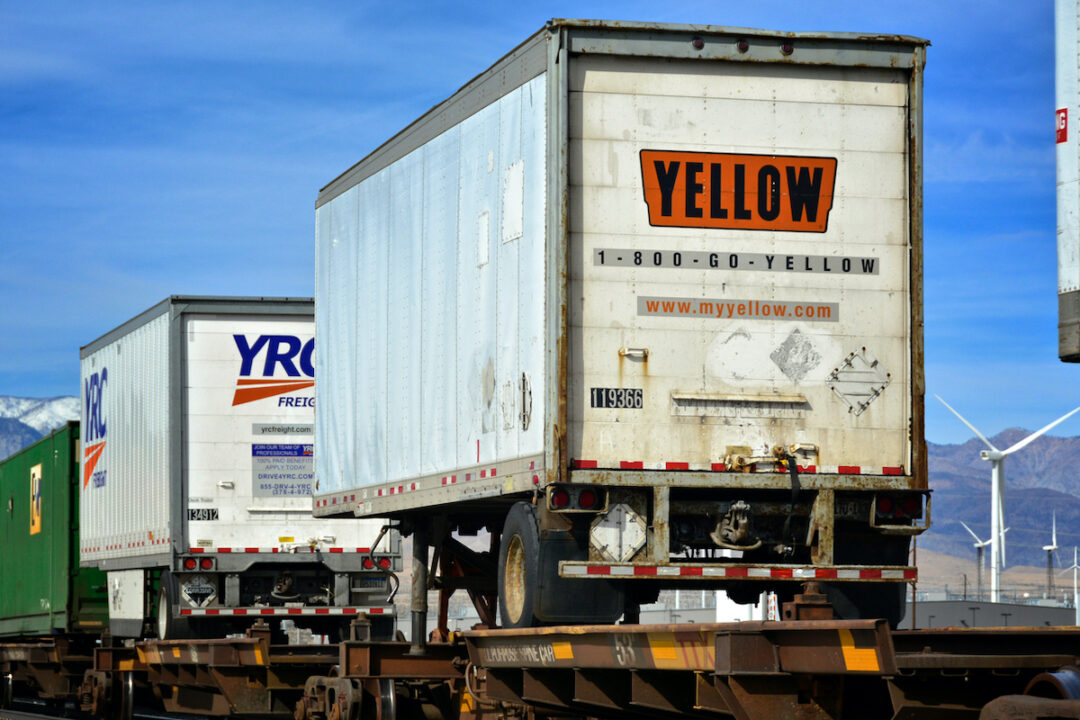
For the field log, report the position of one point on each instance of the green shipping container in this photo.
(42, 588)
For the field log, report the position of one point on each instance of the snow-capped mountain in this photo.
(43, 415)
(24, 420)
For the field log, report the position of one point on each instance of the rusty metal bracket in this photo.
(823, 524)
(442, 661)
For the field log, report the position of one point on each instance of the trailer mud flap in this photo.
(564, 600)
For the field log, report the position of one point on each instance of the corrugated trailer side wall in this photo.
(126, 444)
(443, 320)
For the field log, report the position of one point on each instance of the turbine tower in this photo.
(1051, 549)
(980, 547)
(1076, 600)
(997, 492)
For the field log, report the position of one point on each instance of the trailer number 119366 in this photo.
(630, 398)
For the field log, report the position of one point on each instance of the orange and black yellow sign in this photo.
(35, 499)
(741, 192)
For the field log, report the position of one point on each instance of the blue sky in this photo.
(153, 149)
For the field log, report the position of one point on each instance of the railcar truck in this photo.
(196, 475)
(644, 302)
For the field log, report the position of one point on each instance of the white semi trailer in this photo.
(197, 475)
(645, 302)
(1066, 114)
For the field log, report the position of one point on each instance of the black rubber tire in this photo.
(519, 564)
(167, 626)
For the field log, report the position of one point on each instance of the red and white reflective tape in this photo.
(125, 545)
(297, 549)
(577, 569)
(330, 611)
(720, 467)
(334, 500)
(426, 483)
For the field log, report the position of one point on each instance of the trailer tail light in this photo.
(368, 564)
(576, 497)
(384, 563)
(206, 564)
(189, 563)
(906, 506)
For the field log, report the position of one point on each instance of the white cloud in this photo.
(982, 159)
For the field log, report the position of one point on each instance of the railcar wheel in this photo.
(125, 701)
(387, 700)
(519, 561)
(7, 690)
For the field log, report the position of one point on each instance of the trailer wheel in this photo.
(519, 561)
(168, 626)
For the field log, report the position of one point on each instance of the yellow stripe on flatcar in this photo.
(857, 659)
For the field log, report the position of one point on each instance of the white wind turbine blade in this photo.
(1053, 533)
(972, 533)
(1074, 566)
(973, 428)
(1031, 438)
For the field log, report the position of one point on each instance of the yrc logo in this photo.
(287, 352)
(93, 427)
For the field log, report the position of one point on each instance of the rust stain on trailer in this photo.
(915, 238)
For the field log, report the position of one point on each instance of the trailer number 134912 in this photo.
(631, 398)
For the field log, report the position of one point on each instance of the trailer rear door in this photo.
(740, 266)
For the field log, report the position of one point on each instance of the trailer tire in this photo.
(167, 626)
(519, 566)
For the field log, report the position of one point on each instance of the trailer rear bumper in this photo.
(690, 571)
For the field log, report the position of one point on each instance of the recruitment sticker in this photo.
(281, 470)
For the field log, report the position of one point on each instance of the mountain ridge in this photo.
(24, 420)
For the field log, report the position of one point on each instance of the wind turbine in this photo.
(1051, 549)
(980, 546)
(1076, 600)
(997, 492)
